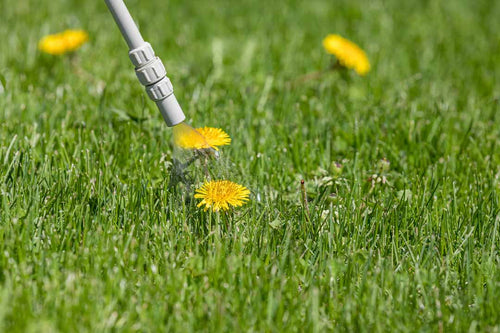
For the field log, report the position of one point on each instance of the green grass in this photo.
(92, 239)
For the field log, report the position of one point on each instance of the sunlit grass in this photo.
(400, 170)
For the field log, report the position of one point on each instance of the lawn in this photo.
(400, 229)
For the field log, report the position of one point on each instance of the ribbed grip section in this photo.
(142, 55)
(160, 90)
(151, 72)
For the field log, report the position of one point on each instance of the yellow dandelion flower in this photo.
(75, 39)
(349, 54)
(52, 44)
(63, 42)
(201, 138)
(214, 136)
(219, 194)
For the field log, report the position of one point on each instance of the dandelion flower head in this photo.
(63, 42)
(202, 138)
(349, 54)
(220, 194)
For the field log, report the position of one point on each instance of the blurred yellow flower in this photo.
(219, 194)
(348, 53)
(202, 138)
(63, 42)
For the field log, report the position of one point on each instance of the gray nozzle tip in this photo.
(171, 110)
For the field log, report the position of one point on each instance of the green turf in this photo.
(92, 239)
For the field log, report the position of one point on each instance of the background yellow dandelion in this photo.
(349, 54)
(64, 42)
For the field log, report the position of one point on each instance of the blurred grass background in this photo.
(91, 238)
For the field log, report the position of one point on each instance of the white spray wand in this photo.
(148, 67)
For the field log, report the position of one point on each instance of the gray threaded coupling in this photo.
(152, 74)
(148, 67)
(141, 55)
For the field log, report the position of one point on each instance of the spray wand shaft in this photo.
(148, 67)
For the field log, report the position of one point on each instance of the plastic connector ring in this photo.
(160, 90)
(142, 55)
(151, 72)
